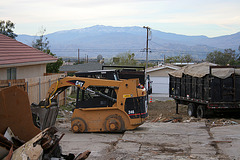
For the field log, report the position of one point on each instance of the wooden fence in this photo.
(18, 82)
(36, 87)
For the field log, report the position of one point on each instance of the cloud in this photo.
(80, 13)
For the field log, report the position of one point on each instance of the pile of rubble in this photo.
(209, 122)
(20, 138)
(44, 145)
(165, 120)
(219, 122)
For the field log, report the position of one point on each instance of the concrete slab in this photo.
(227, 140)
(79, 142)
(158, 141)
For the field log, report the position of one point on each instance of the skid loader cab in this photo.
(88, 99)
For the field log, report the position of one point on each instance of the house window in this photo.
(11, 73)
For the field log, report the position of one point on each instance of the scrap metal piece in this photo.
(33, 149)
(9, 134)
(42, 146)
(83, 156)
(15, 113)
(14, 139)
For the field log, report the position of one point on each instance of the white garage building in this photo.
(159, 76)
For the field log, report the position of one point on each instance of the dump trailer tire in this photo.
(201, 111)
(78, 125)
(192, 110)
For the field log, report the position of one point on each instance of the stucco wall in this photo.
(3, 73)
(25, 71)
(31, 71)
(160, 73)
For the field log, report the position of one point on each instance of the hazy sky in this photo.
(190, 17)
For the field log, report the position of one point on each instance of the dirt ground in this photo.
(165, 111)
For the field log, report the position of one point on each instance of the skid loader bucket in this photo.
(44, 117)
(15, 112)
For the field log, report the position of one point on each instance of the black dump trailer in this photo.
(206, 89)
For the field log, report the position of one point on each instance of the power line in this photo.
(125, 50)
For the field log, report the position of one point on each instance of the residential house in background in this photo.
(159, 76)
(20, 61)
(25, 67)
(85, 67)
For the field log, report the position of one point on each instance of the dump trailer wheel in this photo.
(201, 111)
(192, 110)
(114, 123)
(78, 125)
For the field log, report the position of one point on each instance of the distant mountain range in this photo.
(110, 41)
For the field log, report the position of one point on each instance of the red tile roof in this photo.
(14, 52)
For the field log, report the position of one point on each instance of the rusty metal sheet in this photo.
(15, 113)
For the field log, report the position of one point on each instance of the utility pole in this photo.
(78, 56)
(148, 29)
(147, 80)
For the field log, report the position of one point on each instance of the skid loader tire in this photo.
(78, 125)
(114, 123)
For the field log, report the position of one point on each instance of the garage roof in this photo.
(161, 66)
(85, 67)
(15, 53)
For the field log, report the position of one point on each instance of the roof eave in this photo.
(25, 64)
(159, 68)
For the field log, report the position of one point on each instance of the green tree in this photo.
(180, 58)
(223, 58)
(126, 58)
(6, 28)
(53, 67)
(42, 44)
